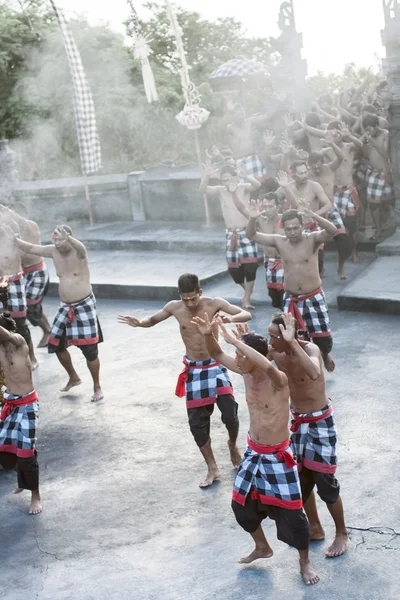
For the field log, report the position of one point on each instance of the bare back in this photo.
(268, 410)
(300, 264)
(30, 233)
(73, 270)
(233, 218)
(306, 395)
(17, 367)
(10, 257)
(326, 180)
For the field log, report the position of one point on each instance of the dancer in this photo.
(203, 380)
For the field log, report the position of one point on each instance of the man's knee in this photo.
(199, 423)
(8, 460)
(34, 314)
(247, 516)
(90, 352)
(343, 245)
(23, 329)
(28, 473)
(307, 483)
(250, 271)
(237, 274)
(328, 487)
(229, 411)
(325, 344)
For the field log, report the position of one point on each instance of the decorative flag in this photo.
(85, 116)
(141, 52)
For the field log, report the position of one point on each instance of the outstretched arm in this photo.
(329, 229)
(210, 190)
(236, 314)
(38, 250)
(310, 360)
(159, 316)
(12, 338)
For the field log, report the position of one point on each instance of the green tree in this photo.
(331, 83)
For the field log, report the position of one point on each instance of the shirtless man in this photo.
(241, 253)
(76, 321)
(35, 274)
(314, 430)
(11, 271)
(241, 139)
(267, 483)
(377, 176)
(203, 380)
(303, 293)
(269, 222)
(19, 414)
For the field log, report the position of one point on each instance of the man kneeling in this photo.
(19, 414)
(267, 483)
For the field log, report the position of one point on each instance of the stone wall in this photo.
(164, 193)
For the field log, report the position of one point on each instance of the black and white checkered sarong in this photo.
(313, 311)
(36, 282)
(334, 217)
(202, 382)
(274, 275)
(253, 166)
(346, 200)
(18, 430)
(77, 322)
(378, 187)
(239, 249)
(272, 473)
(314, 440)
(16, 297)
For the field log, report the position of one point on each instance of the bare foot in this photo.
(97, 395)
(316, 533)
(235, 454)
(342, 276)
(18, 490)
(44, 341)
(34, 365)
(71, 383)
(258, 552)
(211, 476)
(308, 574)
(338, 546)
(35, 507)
(329, 363)
(356, 260)
(247, 306)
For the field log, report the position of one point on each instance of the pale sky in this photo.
(335, 32)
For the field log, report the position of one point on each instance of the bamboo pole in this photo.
(89, 202)
(198, 152)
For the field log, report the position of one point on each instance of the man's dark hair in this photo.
(313, 119)
(326, 98)
(368, 108)
(290, 214)
(67, 229)
(370, 121)
(269, 185)
(257, 342)
(271, 196)
(277, 319)
(20, 209)
(334, 125)
(356, 104)
(7, 322)
(188, 283)
(315, 157)
(297, 163)
(228, 169)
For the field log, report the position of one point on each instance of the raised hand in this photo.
(302, 154)
(241, 329)
(62, 234)
(208, 169)
(268, 137)
(242, 172)
(289, 330)
(282, 179)
(254, 211)
(344, 130)
(329, 136)
(127, 320)
(205, 326)
(288, 120)
(228, 336)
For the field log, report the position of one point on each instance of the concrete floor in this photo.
(123, 515)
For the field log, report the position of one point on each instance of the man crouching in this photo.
(20, 411)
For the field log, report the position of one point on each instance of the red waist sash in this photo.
(298, 420)
(294, 309)
(279, 449)
(180, 389)
(11, 404)
(39, 267)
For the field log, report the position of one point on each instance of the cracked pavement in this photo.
(123, 515)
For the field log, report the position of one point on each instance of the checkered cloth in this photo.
(202, 382)
(85, 116)
(16, 297)
(334, 217)
(346, 200)
(36, 282)
(239, 249)
(311, 312)
(239, 67)
(76, 321)
(253, 166)
(274, 273)
(378, 187)
(272, 472)
(18, 424)
(314, 440)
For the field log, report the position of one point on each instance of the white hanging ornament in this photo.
(141, 52)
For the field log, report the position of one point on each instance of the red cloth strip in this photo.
(16, 277)
(278, 449)
(312, 465)
(234, 240)
(180, 389)
(294, 309)
(271, 500)
(9, 405)
(298, 420)
(221, 391)
(39, 267)
(22, 453)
